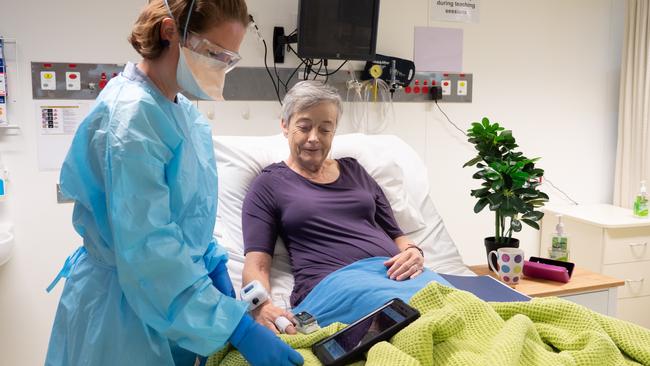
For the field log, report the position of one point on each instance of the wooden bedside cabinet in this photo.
(587, 288)
(608, 240)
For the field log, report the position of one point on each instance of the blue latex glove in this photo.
(221, 280)
(260, 347)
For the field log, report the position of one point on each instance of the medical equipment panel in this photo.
(252, 83)
(81, 81)
(62, 80)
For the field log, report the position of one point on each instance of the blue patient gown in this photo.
(142, 172)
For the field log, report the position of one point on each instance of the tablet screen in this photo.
(357, 335)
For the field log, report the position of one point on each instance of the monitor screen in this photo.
(338, 29)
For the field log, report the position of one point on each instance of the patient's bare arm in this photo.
(257, 266)
(409, 263)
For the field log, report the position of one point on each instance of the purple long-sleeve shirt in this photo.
(325, 226)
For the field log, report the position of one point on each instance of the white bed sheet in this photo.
(390, 161)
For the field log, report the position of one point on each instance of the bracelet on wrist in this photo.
(409, 246)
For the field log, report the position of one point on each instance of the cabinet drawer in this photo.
(635, 310)
(596, 301)
(626, 245)
(636, 276)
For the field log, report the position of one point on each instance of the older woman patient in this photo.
(329, 212)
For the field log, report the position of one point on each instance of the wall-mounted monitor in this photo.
(338, 29)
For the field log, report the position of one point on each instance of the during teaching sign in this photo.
(455, 11)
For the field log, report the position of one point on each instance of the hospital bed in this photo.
(455, 327)
(395, 166)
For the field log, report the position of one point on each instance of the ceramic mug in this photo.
(511, 264)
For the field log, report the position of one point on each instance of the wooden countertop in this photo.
(582, 281)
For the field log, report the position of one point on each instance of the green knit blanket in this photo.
(457, 328)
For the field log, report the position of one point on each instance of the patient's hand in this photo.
(406, 265)
(267, 313)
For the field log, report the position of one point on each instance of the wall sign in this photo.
(455, 11)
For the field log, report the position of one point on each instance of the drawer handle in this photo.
(635, 281)
(632, 245)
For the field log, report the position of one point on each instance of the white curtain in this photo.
(633, 151)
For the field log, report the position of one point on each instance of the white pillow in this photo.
(387, 159)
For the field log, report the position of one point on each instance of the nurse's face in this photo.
(310, 133)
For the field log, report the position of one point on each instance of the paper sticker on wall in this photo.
(57, 122)
(60, 119)
(438, 49)
(455, 11)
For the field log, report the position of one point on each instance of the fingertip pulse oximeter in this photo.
(306, 323)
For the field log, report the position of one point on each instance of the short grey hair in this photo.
(308, 93)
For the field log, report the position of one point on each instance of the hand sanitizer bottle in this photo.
(560, 243)
(641, 202)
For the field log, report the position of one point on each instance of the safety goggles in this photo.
(213, 51)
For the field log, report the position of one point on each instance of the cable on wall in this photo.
(545, 179)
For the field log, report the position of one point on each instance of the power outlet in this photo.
(436, 92)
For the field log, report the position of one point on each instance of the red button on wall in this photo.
(72, 76)
(425, 90)
(446, 83)
(407, 90)
(416, 90)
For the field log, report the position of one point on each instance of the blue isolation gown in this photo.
(142, 172)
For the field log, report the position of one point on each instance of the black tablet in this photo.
(351, 342)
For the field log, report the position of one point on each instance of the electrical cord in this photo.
(333, 72)
(559, 190)
(319, 69)
(286, 83)
(310, 63)
(446, 116)
(326, 73)
(276, 87)
(544, 179)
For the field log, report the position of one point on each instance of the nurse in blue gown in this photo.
(149, 285)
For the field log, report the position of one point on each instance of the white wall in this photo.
(547, 69)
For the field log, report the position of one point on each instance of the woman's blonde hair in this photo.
(145, 36)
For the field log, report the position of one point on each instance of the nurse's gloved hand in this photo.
(260, 347)
(221, 280)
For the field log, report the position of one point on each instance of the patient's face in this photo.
(310, 134)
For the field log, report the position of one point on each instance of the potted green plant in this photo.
(510, 183)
